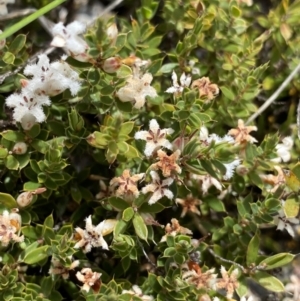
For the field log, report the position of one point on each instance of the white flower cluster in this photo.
(68, 38)
(48, 79)
(155, 139)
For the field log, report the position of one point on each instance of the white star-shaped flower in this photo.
(177, 89)
(136, 89)
(158, 187)
(284, 222)
(155, 137)
(28, 106)
(207, 182)
(92, 236)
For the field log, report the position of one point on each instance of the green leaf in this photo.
(3, 152)
(124, 71)
(277, 261)
(126, 128)
(120, 227)
(227, 93)
(128, 214)
(36, 255)
(269, 282)
(118, 203)
(291, 207)
(34, 131)
(13, 136)
(93, 76)
(216, 204)
(123, 147)
(8, 58)
(154, 208)
(17, 44)
(49, 222)
(7, 201)
(140, 227)
(47, 284)
(40, 146)
(132, 153)
(207, 165)
(235, 11)
(168, 68)
(252, 250)
(11, 162)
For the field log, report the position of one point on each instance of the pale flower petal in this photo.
(155, 137)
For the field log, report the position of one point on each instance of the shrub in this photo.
(128, 168)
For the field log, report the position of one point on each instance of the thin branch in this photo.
(275, 95)
(146, 255)
(226, 260)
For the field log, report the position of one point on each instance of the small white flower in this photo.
(195, 70)
(68, 37)
(293, 287)
(283, 150)
(88, 278)
(284, 222)
(155, 137)
(3, 8)
(158, 187)
(92, 236)
(230, 168)
(28, 106)
(206, 138)
(136, 90)
(10, 225)
(176, 89)
(52, 79)
(207, 182)
(136, 291)
(112, 32)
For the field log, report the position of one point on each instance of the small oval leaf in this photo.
(277, 260)
(140, 227)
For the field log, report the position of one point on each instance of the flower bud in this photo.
(111, 65)
(24, 82)
(39, 190)
(25, 198)
(242, 170)
(112, 32)
(20, 148)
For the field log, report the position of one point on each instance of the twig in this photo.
(31, 60)
(146, 255)
(226, 260)
(275, 95)
(17, 14)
